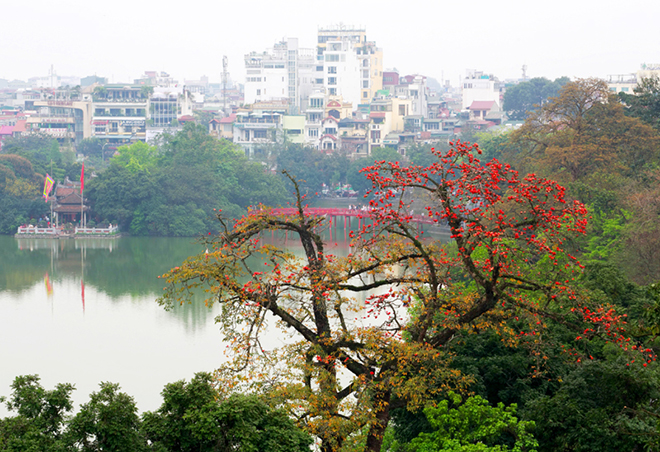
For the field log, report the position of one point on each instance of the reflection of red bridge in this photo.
(332, 213)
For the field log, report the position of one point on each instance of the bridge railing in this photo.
(37, 231)
(105, 231)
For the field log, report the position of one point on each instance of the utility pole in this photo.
(225, 75)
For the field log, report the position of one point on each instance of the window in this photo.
(365, 73)
(375, 135)
(365, 94)
(402, 110)
(258, 92)
(332, 80)
(332, 69)
(331, 57)
(313, 133)
(332, 91)
(319, 68)
(365, 83)
(330, 131)
(624, 89)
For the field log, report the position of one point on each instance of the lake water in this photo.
(113, 330)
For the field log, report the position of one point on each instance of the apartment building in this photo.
(477, 86)
(284, 72)
(366, 54)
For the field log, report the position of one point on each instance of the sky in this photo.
(121, 39)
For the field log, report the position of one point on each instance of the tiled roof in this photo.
(20, 126)
(482, 105)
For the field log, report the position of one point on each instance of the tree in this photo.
(584, 132)
(385, 314)
(41, 416)
(108, 423)
(92, 147)
(191, 419)
(595, 406)
(139, 156)
(528, 96)
(645, 102)
(356, 179)
(474, 426)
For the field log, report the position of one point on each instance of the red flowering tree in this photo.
(366, 332)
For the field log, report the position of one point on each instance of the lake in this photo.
(109, 330)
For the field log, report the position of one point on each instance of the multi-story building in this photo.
(480, 87)
(120, 113)
(387, 115)
(283, 72)
(368, 57)
(314, 114)
(626, 83)
(342, 71)
(259, 126)
(63, 119)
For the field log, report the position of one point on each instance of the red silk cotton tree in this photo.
(366, 332)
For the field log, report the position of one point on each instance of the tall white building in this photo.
(370, 59)
(281, 73)
(342, 71)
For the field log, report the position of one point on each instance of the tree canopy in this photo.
(526, 97)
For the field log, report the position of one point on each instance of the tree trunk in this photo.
(378, 426)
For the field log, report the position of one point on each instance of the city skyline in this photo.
(575, 39)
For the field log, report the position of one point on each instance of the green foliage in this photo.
(246, 423)
(495, 145)
(645, 103)
(19, 193)
(592, 409)
(40, 150)
(191, 419)
(312, 167)
(474, 426)
(420, 154)
(108, 422)
(528, 96)
(605, 236)
(40, 419)
(355, 176)
(136, 158)
(91, 147)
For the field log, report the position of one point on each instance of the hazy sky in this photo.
(120, 39)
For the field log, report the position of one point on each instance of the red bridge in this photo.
(345, 213)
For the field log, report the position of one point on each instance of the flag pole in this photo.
(82, 186)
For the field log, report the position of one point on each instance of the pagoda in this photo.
(69, 204)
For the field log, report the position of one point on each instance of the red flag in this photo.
(82, 178)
